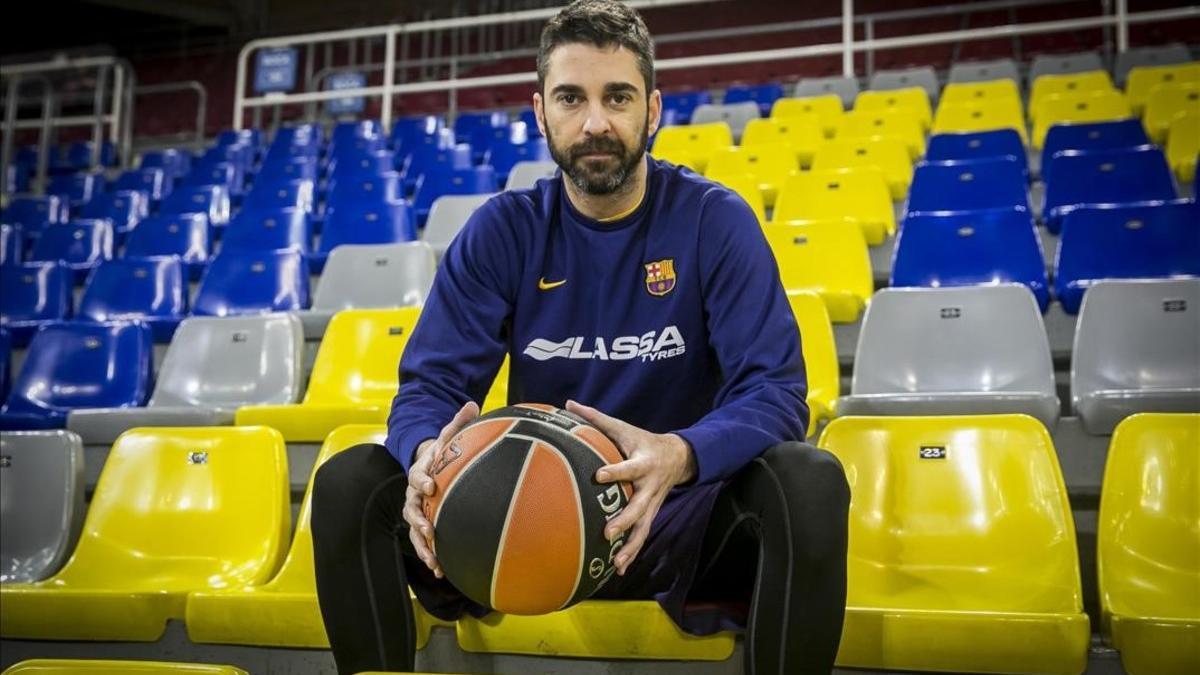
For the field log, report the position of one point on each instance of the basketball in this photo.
(518, 515)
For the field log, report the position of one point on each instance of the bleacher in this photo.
(995, 270)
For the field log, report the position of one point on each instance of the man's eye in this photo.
(568, 99)
(619, 99)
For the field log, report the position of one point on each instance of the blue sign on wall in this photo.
(275, 70)
(349, 105)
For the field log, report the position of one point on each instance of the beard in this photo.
(603, 176)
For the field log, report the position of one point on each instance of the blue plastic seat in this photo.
(683, 103)
(151, 290)
(433, 154)
(271, 196)
(76, 188)
(362, 189)
(11, 244)
(1136, 241)
(284, 169)
(124, 208)
(241, 155)
(363, 223)
(177, 163)
(268, 230)
(79, 365)
(995, 144)
(352, 163)
(224, 174)
(434, 184)
(253, 282)
(251, 137)
(405, 130)
(347, 132)
(1076, 178)
(531, 126)
(299, 134)
(80, 245)
(971, 249)
(476, 128)
(153, 181)
(1094, 136)
(353, 148)
(184, 235)
(968, 185)
(5, 362)
(211, 200)
(502, 157)
(34, 294)
(280, 151)
(35, 213)
(79, 155)
(764, 95)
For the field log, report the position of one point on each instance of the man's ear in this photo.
(654, 112)
(539, 112)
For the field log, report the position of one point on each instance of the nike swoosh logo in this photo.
(547, 285)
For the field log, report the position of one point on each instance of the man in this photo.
(650, 294)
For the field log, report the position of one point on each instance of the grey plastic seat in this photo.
(984, 71)
(736, 115)
(525, 174)
(924, 77)
(1064, 64)
(845, 87)
(953, 351)
(41, 502)
(447, 216)
(213, 366)
(1137, 349)
(1166, 55)
(374, 276)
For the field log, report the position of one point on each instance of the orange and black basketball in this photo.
(518, 516)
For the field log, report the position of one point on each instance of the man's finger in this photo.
(610, 426)
(633, 511)
(465, 414)
(629, 471)
(632, 546)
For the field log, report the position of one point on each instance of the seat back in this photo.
(367, 223)
(526, 174)
(359, 358)
(35, 291)
(34, 212)
(1078, 177)
(447, 216)
(175, 162)
(844, 88)
(692, 144)
(804, 133)
(1079, 108)
(984, 71)
(914, 100)
(979, 116)
(41, 502)
(859, 195)
(76, 188)
(956, 513)
(362, 189)
(1167, 103)
(284, 169)
(268, 230)
(273, 196)
(976, 145)
(253, 282)
(125, 208)
(182, 509)
(80, 242)
(1067, 84)
(1064, 64)
(436, 184)
(1144, 79)
(229, 362)
(736, 115)
(748, 188)
(1183, 146)
(10, 244)
(828, 109)
(820, 354)
(968, 185)
(179, 234)
(888, 155)
(764, 95)
(683, 103)
(1168, 54)
(901, 125)
(924, 77)
(152, 181)
(953, 340)
(770, 165)
(382, 275)
(1092, 136)
(208, 171)
(829, 256)
(134, 288)
(5, 362)
(212, 200)
(504, 156)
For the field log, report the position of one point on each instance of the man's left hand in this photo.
(656, 463)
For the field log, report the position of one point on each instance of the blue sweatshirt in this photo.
(672, 319)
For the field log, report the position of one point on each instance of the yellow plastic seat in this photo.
(694, 143)
(599, 629)
(769, 165)
(1148, 536)
(354, 378)
(860, 195)
(820, 356)
(283, 612)
(1070, 84)
(962, 553)
(980, 116)
(746, 186)
(1144, 79)
(175, 510)
(827, 108)
(989, 91)
(1167, 103)
(497, 396)
(1183, 145)
(802, 133)
(912, 99)
(1088, 106)
(91, 667)
(828, 258)
(885, 153)
(899, 124)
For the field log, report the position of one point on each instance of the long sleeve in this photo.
(753, 333)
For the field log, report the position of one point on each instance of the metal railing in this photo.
(185, 85)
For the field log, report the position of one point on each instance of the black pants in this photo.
(781, 520)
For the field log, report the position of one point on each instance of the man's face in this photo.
(596, 115)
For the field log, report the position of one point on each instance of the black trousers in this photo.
(781, 520)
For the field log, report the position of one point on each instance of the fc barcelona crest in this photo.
(660, 277)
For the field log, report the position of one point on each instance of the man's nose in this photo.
(597, 122)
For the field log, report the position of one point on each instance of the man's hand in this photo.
(421, 485)
(657, 463)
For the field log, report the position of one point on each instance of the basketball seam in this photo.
(463, 472)
(508, 516)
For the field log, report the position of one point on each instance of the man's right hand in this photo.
(421, 485)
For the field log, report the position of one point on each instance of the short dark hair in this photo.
(601, 23)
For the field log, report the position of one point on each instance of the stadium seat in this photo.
(1144, 79)
(953, 351)
(1183, 147)
(1166, 104)
(375, 276)
(79, 246)
(1137, 349)
(984, 71)
(251, 137)
(177, 163)
(294, 194)
(747, 187)
(924, 77)
(1149, 570)
(1064, 64)
(349, 131)
(968, 185)
(858, 195)
(829, 258)
(693, 144)
(79, 365)
(979, 116)
(1079, 178)
(976, 145)
(886, 154)
(803, 134)
(820, 356)
(226, 175)
(764, 95)
(901, 125)
(180, 234)
(354, 378)
(960, 527)
(364, 223)
(405, 130)
(845, 88)
(1091, 106)
(1127, 133)
(360, 190)
(76, 188)
(504, 156)
(352, 163)
(525, 175)
(42, 509)
(97, 667)
(253, 282)
(211, 200)
(35, 293)
(939, 250)
(1169, 54)
(470, 125)
(683, 103)
(34, 213)
(914, 100)
(175, 511)
(152, 181)
(447, 216)
(286, 169)
(768, 165)
(434, 185)
(431, 153)
(11, 244)
(212, 367)
(253, 229)
(827, 108)
(736, 115)
(124, 208)
(79, 155)
(1067, 84)
(6, 348)
(151, 290)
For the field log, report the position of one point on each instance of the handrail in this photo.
(184, 85)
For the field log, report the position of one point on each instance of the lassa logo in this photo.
(651, 346)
